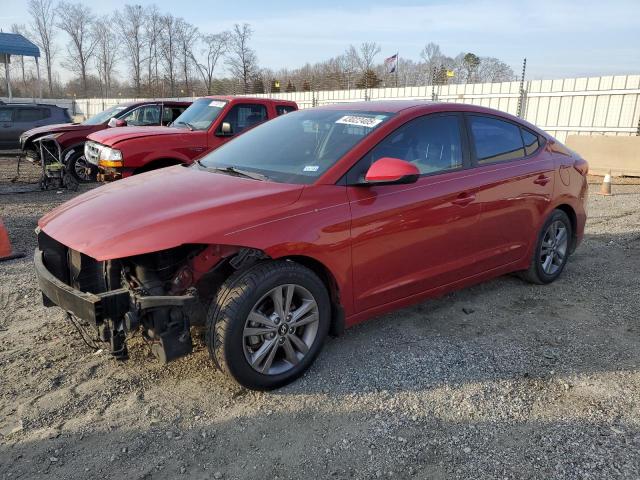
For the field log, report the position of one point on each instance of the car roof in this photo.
(33, 105)
(249, 99)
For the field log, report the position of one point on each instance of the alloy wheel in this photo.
(553, 250)
(280, 329)
(82, 169)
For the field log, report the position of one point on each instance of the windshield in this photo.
(298, 147)
(105, 116)
(200, 115)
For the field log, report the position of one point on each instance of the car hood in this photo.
(56, 128)
(163, 209)
(112, 136)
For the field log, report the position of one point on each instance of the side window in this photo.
(282, 109)
(431, 143)
(28, 114)
(169, 114)
(531, 141)
(495, 140)
(245, 116)
(5, 114)
(143, 116)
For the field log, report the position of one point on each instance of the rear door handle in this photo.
(542, 180)
(464, 199)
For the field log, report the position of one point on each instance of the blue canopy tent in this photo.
(16, 44)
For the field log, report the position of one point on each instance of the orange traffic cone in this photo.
(605, 189)
(5, 245)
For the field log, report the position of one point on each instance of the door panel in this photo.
(411, 238)
(514, 190)
(6, 124)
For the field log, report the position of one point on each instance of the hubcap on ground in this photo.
(554, 247)
(280, 329)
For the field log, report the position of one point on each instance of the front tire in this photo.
(77, 166)
(267, 324)
(552, 249)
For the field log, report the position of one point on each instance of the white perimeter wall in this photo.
(581, 106)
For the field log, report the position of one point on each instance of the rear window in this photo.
(282, 109)
(531, 141)
(495, 140)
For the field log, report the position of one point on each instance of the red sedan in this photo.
(311, 223)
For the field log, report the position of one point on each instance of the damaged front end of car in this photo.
(160, 294)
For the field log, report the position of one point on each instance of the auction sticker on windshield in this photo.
(360, 121)
(217, 103)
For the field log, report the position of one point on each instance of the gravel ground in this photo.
(502, 380)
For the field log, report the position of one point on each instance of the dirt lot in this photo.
(531, 382)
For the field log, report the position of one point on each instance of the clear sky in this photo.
(559, 38)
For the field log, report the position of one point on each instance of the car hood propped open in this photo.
(164, 209)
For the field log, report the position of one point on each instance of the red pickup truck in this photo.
(71, 137)
(207, 124)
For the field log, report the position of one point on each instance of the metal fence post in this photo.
(521, 100)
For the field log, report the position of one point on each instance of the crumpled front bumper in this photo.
(95, 307)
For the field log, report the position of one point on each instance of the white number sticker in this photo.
(217, 103)
(311, 168)
(359, 121)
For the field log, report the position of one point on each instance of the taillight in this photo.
(581, 165)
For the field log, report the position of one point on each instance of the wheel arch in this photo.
(330, 282)
(573, 218)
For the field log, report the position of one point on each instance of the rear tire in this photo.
(551, 251)
(249, 341)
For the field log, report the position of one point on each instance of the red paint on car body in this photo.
(385, 246)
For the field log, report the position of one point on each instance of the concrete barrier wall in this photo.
(618, 155)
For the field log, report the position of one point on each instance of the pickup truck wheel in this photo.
(77, 166)
(551, 251)
(267, 324)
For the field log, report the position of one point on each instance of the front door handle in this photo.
(542, 180)
(464, 199)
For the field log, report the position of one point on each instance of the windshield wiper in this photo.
(242, 173)
(189, 126)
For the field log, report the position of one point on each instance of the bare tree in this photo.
(43, 18)
(151, 40)
(106, 48)
(76, 19)
(242, 60)
(491, 69)
(186, 36)
(215, 45)
(130, 26)
(431, 53)
(364, 57)
(169, 49)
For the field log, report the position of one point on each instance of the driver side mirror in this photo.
(225, 130)
(117, 122)
(388, 170)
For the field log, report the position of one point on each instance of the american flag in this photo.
(391, 63)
